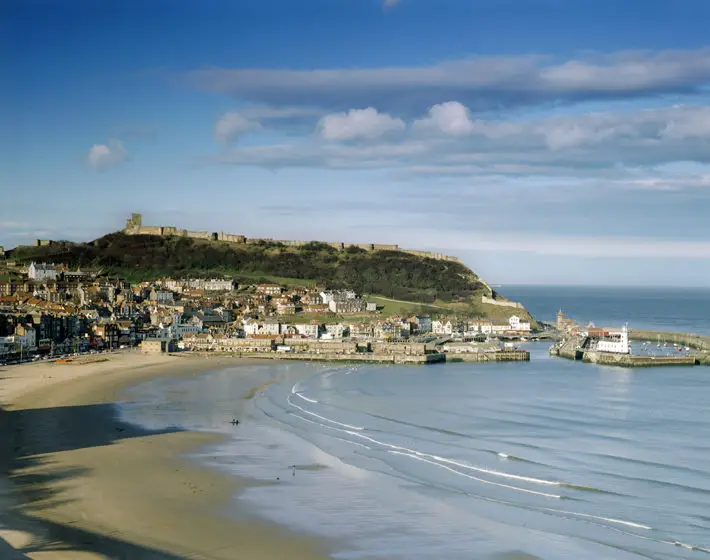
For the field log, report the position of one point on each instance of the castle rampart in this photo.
(197, 234)
(134, 226)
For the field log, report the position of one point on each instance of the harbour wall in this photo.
(631, 360)
(697, 341)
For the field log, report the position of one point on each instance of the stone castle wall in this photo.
(430, 255)
(197, 234)
(134, 226)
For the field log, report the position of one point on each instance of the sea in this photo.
(547, 459)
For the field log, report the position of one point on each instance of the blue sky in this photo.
(543, 141)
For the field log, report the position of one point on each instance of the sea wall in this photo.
(630, 360)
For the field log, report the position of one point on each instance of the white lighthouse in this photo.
(618, 342)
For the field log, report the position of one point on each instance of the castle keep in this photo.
(134, 226)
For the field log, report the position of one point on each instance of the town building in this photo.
(354, 305)
(42, 271)
(158, 345)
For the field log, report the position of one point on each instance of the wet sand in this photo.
(76, 483)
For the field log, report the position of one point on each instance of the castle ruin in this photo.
(134, 226)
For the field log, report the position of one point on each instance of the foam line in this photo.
(323, 417)
(545, 494)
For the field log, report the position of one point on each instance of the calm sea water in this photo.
(672, 309)
(552, 459)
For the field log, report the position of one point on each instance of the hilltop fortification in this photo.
(134, 226)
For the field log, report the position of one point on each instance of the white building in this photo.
(439, 327)
(517, 325)
(350, 305)
(309, 330)
(341, 295)
(162, 296)
(42, 271)
(337, 330)
(251, 327)
(618, 342)
(211, 284)
(179, 330)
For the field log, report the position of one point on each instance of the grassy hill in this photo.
(393, 274)
(405, 282)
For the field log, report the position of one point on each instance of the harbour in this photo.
(613, 347)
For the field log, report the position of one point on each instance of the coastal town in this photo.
(50, 310)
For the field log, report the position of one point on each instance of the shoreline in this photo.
(76, 482)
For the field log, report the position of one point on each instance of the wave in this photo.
(688, 546)
(446, 460)
(510, 487)
(600, 518)
(305, 398)
(323, 417)
(331, 428)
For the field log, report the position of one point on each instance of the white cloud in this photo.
(594, 145)
(103, 156)
(231, 125)
(450, 118)
(479, 82)
(389, 3)
(358, 124)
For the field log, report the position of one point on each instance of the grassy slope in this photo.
(400, 283)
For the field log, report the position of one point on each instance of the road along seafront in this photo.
(78, 483)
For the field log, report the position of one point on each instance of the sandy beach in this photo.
(77, 483)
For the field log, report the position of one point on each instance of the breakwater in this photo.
(697, 341)
(631, 360)
(578, 348)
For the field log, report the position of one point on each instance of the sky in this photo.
(541, 141)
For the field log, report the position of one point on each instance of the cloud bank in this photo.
(479, 82)
(447, 140)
